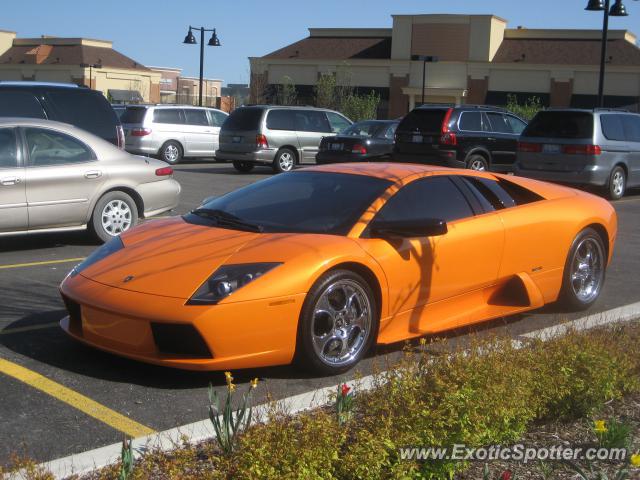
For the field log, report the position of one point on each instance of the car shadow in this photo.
(229, 170)
(39, 241)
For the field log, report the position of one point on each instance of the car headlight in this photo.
(226, 280)
(112, 246)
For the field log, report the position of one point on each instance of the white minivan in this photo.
(172, 132)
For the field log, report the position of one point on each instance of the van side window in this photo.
(281, 120)
(20, 104)
(631, 125)
(168, 115)
(196, 117)
(312, 121)
(612, 127)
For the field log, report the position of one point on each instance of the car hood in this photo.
(168, 257)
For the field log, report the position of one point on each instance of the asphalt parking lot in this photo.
(124, 396)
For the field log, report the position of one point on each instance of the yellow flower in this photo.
(600, 426)
(635, 459)
(254, 383)
(228, 377)
(423, 341)
(232, 387)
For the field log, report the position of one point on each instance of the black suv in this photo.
(465, 136)
(68, 103)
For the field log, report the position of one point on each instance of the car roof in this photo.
(386, 170)
(35, 122)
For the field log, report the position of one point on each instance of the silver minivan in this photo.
(278, 136)
(172, 132)
(598, 147)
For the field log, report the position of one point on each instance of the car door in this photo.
(631, 125)
(472, 132)
(311, 126)
(504, 141)
(422, 271)
(168, 124)
(199, 135)
(63, 175)
(13, 198)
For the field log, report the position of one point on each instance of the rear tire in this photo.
(284, 161)
(584, 271)
(478, 163)
(114, 213)
(617, 185)
(243, 167)
(171, 152)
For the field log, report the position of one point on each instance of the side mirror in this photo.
(428, 227)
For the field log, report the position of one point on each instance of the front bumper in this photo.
(258, 156)
(239, 335)
(594, 175)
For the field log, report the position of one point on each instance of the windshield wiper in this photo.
(227, 219)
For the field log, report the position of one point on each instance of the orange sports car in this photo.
(318, 264)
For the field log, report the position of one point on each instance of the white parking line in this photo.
(167, 440)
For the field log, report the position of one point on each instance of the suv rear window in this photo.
(423, 119)
(133, 115)
(559, 124)
(244, 119)
(86, 109)
(20, 104)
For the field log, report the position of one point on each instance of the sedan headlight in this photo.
(226, 280)
(112, 246)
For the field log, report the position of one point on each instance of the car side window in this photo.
(499, 123)
(281, 120)
(517, 125)
(338, 123)
(612, 127)
(470, 121)
(20, 104)
(489, 194)
(434, 197)
(390, 131)
(8, 148)
(312, 121)
(631, 124)
(196, 117)
(48, 147)
(217, 118)
(168, 115)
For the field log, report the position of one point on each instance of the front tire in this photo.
(243, 167)
(284, 161)
(584, 271)
(617, 183)
(171, 152)
(115, 213)
(338, 323)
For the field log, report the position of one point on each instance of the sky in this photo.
(151, 32)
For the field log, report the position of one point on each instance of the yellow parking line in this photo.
(35, 264)
(75, 399)
(9, 331)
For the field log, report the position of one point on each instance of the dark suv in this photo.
(63, 102)
(465, 136)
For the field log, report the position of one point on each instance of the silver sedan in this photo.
(57, 177)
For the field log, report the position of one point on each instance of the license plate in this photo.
(335, 146)
(551, 149)
(236, 139)
(417, 139)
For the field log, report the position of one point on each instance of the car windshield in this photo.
(295, 202)
(362, 129)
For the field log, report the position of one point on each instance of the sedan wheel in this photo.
(338, 323)
(584, 271)
(115, 213)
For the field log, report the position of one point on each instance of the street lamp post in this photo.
(424, 59)
(91, 67)
(214, 41)
(618, 10)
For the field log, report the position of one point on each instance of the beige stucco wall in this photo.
(532, 80)
(439, 75)
(617, 83)
(6, 40)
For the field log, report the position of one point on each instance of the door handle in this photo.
(93, 174)
(7, 181)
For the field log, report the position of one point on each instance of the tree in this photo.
(286, 92)
(325, 92)
(343, 97)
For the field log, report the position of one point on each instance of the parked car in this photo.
(57, 177)
(464, 136)
(361, 142)
(172, 132)
(278, 136)
(598, 147)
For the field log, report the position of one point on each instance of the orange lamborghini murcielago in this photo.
(319, 264)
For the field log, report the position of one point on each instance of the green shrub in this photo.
(526, 110)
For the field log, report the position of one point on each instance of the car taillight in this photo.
(359, 148)
(582, 149)
(164, 171)
(448, 138)
(445, 122)
(529, 147)
(261, 141)
(140, 132)
(120, 136)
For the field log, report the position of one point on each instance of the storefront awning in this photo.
(125, 96)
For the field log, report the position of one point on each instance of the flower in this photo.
(228, 377)
(345, 390)
(599, 426)
(423, 341)
(506, 475)
(635, 459)
(232, 387)
(254, 383)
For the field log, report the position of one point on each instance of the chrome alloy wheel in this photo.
(116, 217)
(171, 153)
(617, 183)
(286, 161)
(587, 269)
(341, 324)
